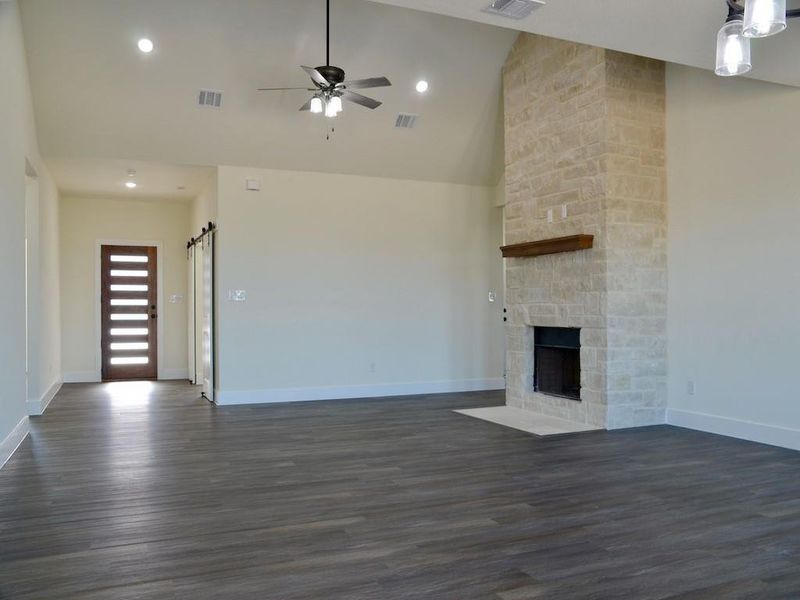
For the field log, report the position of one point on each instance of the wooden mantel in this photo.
(551, 246)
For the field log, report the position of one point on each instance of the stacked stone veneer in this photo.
(584, 127)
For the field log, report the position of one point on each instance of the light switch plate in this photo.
(492, 296)
(237, 295)
(253, 185)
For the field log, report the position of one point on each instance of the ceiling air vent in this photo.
(210, 99)
(406, 121)
(513, 9)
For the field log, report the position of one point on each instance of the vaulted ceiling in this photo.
(679, 31)
(97, 97)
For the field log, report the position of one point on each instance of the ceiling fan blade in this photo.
(316, 76)
(359, 99)
(308, 89)
(307, 105)
(372, 82)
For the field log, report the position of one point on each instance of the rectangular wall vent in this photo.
(406, 121)
(210, 98)
(513, 9)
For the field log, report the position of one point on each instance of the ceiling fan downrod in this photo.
(327, 33)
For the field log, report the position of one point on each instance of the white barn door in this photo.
(207, 317)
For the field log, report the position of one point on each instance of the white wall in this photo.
(48, 363)
(44, 323)
(84, 221)
(346, 272)
(18, 142)
(204, 206)
(16, 122)
(734, 279)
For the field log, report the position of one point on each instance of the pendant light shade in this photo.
(336, 102)
(316, 105)
(330, 109)
(763, 18)
(733, 49)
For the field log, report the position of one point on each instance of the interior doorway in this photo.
(202, 327)
(129, 312)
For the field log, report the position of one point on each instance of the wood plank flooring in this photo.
(145, 491)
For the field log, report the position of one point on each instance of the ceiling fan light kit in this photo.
(748, 19)
(330, 86)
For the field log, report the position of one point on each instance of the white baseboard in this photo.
(269, 396)
(82, 377)
(37, 407)
(168, 374)
(9, 445)
(745, 430)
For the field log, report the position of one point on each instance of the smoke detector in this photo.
(513, 9)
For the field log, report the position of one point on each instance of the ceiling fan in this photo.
(330, 86)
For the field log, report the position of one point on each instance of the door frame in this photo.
(32, 285)
(98, 318)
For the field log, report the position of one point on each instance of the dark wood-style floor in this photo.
(143, 490)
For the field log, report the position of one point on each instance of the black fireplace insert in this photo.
(557, 361)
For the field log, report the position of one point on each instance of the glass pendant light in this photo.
(316, 105)
(763, 18)
(337, 104)
(733, 49)
(330, 110)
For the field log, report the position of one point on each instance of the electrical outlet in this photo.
(563, 211)
(237, 295)
(690, 387)
(372, 367)
(549, 215)
(492, 296)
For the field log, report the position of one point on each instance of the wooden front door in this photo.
(129, 314)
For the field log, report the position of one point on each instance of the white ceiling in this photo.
(98, 98)
(679, 31)
(98, 178)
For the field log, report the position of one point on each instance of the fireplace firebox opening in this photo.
(557, 361)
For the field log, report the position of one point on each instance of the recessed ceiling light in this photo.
(146, 45)
(422, 86)
(130, 184)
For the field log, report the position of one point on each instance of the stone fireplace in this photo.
(584, 135)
